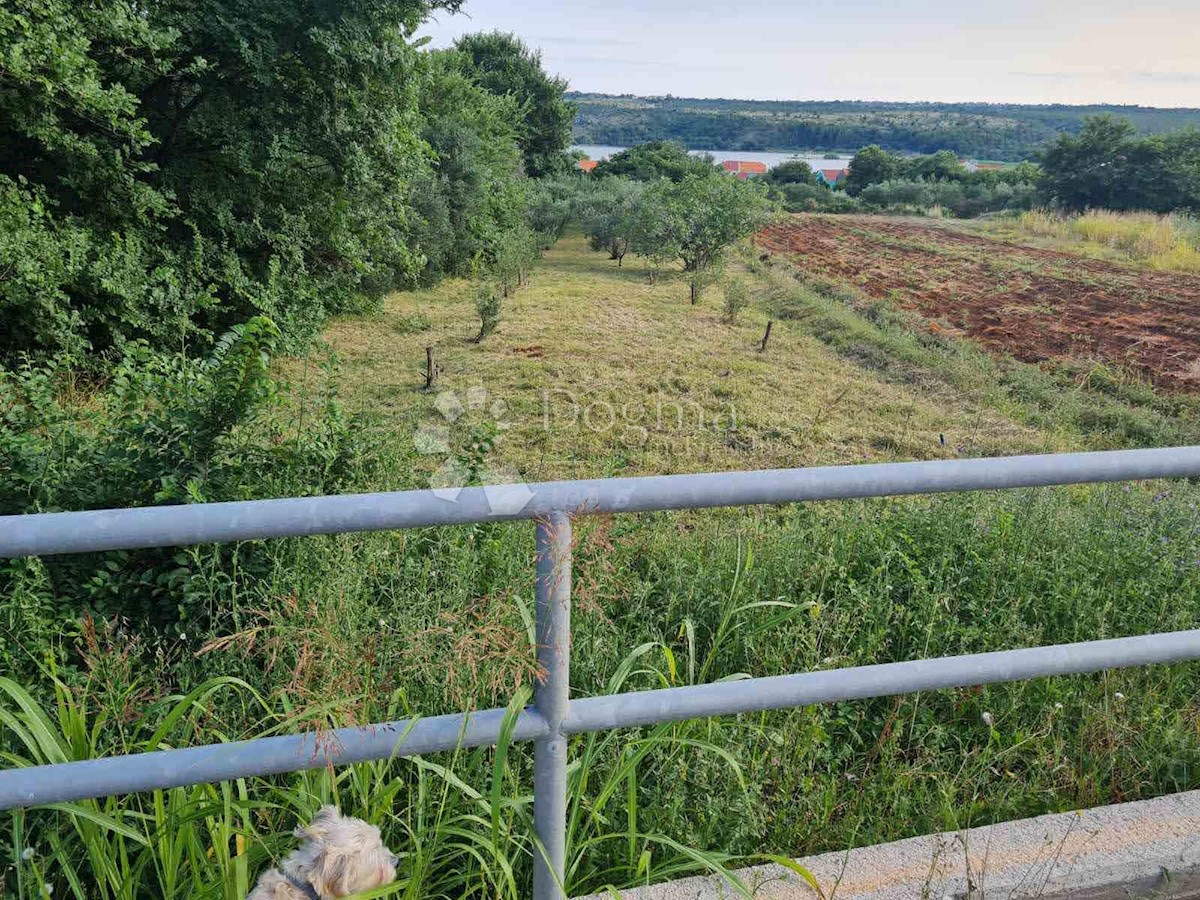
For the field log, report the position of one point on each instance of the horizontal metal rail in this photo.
(554, 716)
(166, 526)
(274, 755)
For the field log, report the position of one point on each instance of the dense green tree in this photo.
(871, 165)
(1108, 166)
(654, 160)
(552, 203)
(170, 170)
(184, 165)
(504, 65)
(793, 171)
(471, 198)
(695, 220)
(609, 215)
(941, 166)
(1088, 169)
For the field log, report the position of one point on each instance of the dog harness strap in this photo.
(302, 886)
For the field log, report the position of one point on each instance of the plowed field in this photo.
(1035, 304)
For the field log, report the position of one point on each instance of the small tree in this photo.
(487, 304)
(871, 165)
(514, 254)
(792, 171)
(735, 299)
(551, 203)
(697, 219)
(609, 216)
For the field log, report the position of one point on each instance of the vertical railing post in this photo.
(551, 700)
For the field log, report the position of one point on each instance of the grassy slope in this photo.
(365, 627)
(858, 583)
(629, 350)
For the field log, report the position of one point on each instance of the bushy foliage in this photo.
(802, 197)
(792, 171)
(170, 171)
(513, 256)
(654, 160)
(870, 165)
(553, 203)
(963, 200)
(503, 64)
(160, 429)
(470, 199)
(736, 299)
(1107, 165)
(608, 215)
(696, 219)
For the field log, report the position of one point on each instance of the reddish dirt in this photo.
(1035, 304)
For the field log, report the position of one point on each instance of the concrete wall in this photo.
(1132, 849)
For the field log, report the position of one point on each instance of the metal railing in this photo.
(554, 716)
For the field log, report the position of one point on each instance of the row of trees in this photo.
(170, 170)
(657, 201)
(1107, 165)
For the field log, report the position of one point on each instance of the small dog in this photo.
(340, 856)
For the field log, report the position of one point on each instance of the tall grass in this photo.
(1169, 243)
(662, 600)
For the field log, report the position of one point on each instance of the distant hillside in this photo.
(981, 130)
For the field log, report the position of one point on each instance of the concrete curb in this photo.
(1151, 847)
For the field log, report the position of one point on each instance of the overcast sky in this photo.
(1022, 51)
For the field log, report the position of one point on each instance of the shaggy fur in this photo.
(339, 856)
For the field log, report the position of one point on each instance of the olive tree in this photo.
(695, 220)
(609, 216)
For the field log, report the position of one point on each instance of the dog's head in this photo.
(345, 855)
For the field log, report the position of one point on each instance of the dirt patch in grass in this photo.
(1034, 304)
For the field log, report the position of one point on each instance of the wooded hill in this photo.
(980, 130)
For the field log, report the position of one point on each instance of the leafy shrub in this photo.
(735, 299)
(158, 430)
(609, 215)
(487, 305)
(162, 182)
(962, 199)
(816, 198)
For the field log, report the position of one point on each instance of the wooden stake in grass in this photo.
(766, 336)
(431, 369)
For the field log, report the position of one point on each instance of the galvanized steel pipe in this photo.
(884, 680)
(162, 526)
(266, 756)
(112, 775)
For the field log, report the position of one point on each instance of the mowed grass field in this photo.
(592, 372)
(601, 373)
(592, 364)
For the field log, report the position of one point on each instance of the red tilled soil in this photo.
(1034, 304)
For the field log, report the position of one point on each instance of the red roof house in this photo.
(744, 168)
(831, 176)
(586, 165)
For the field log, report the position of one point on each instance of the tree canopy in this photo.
(696, 219)
(654, 160)
(1107, 165)
(870, 165)
(504, 65)
(168, 171)
(792, 171)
